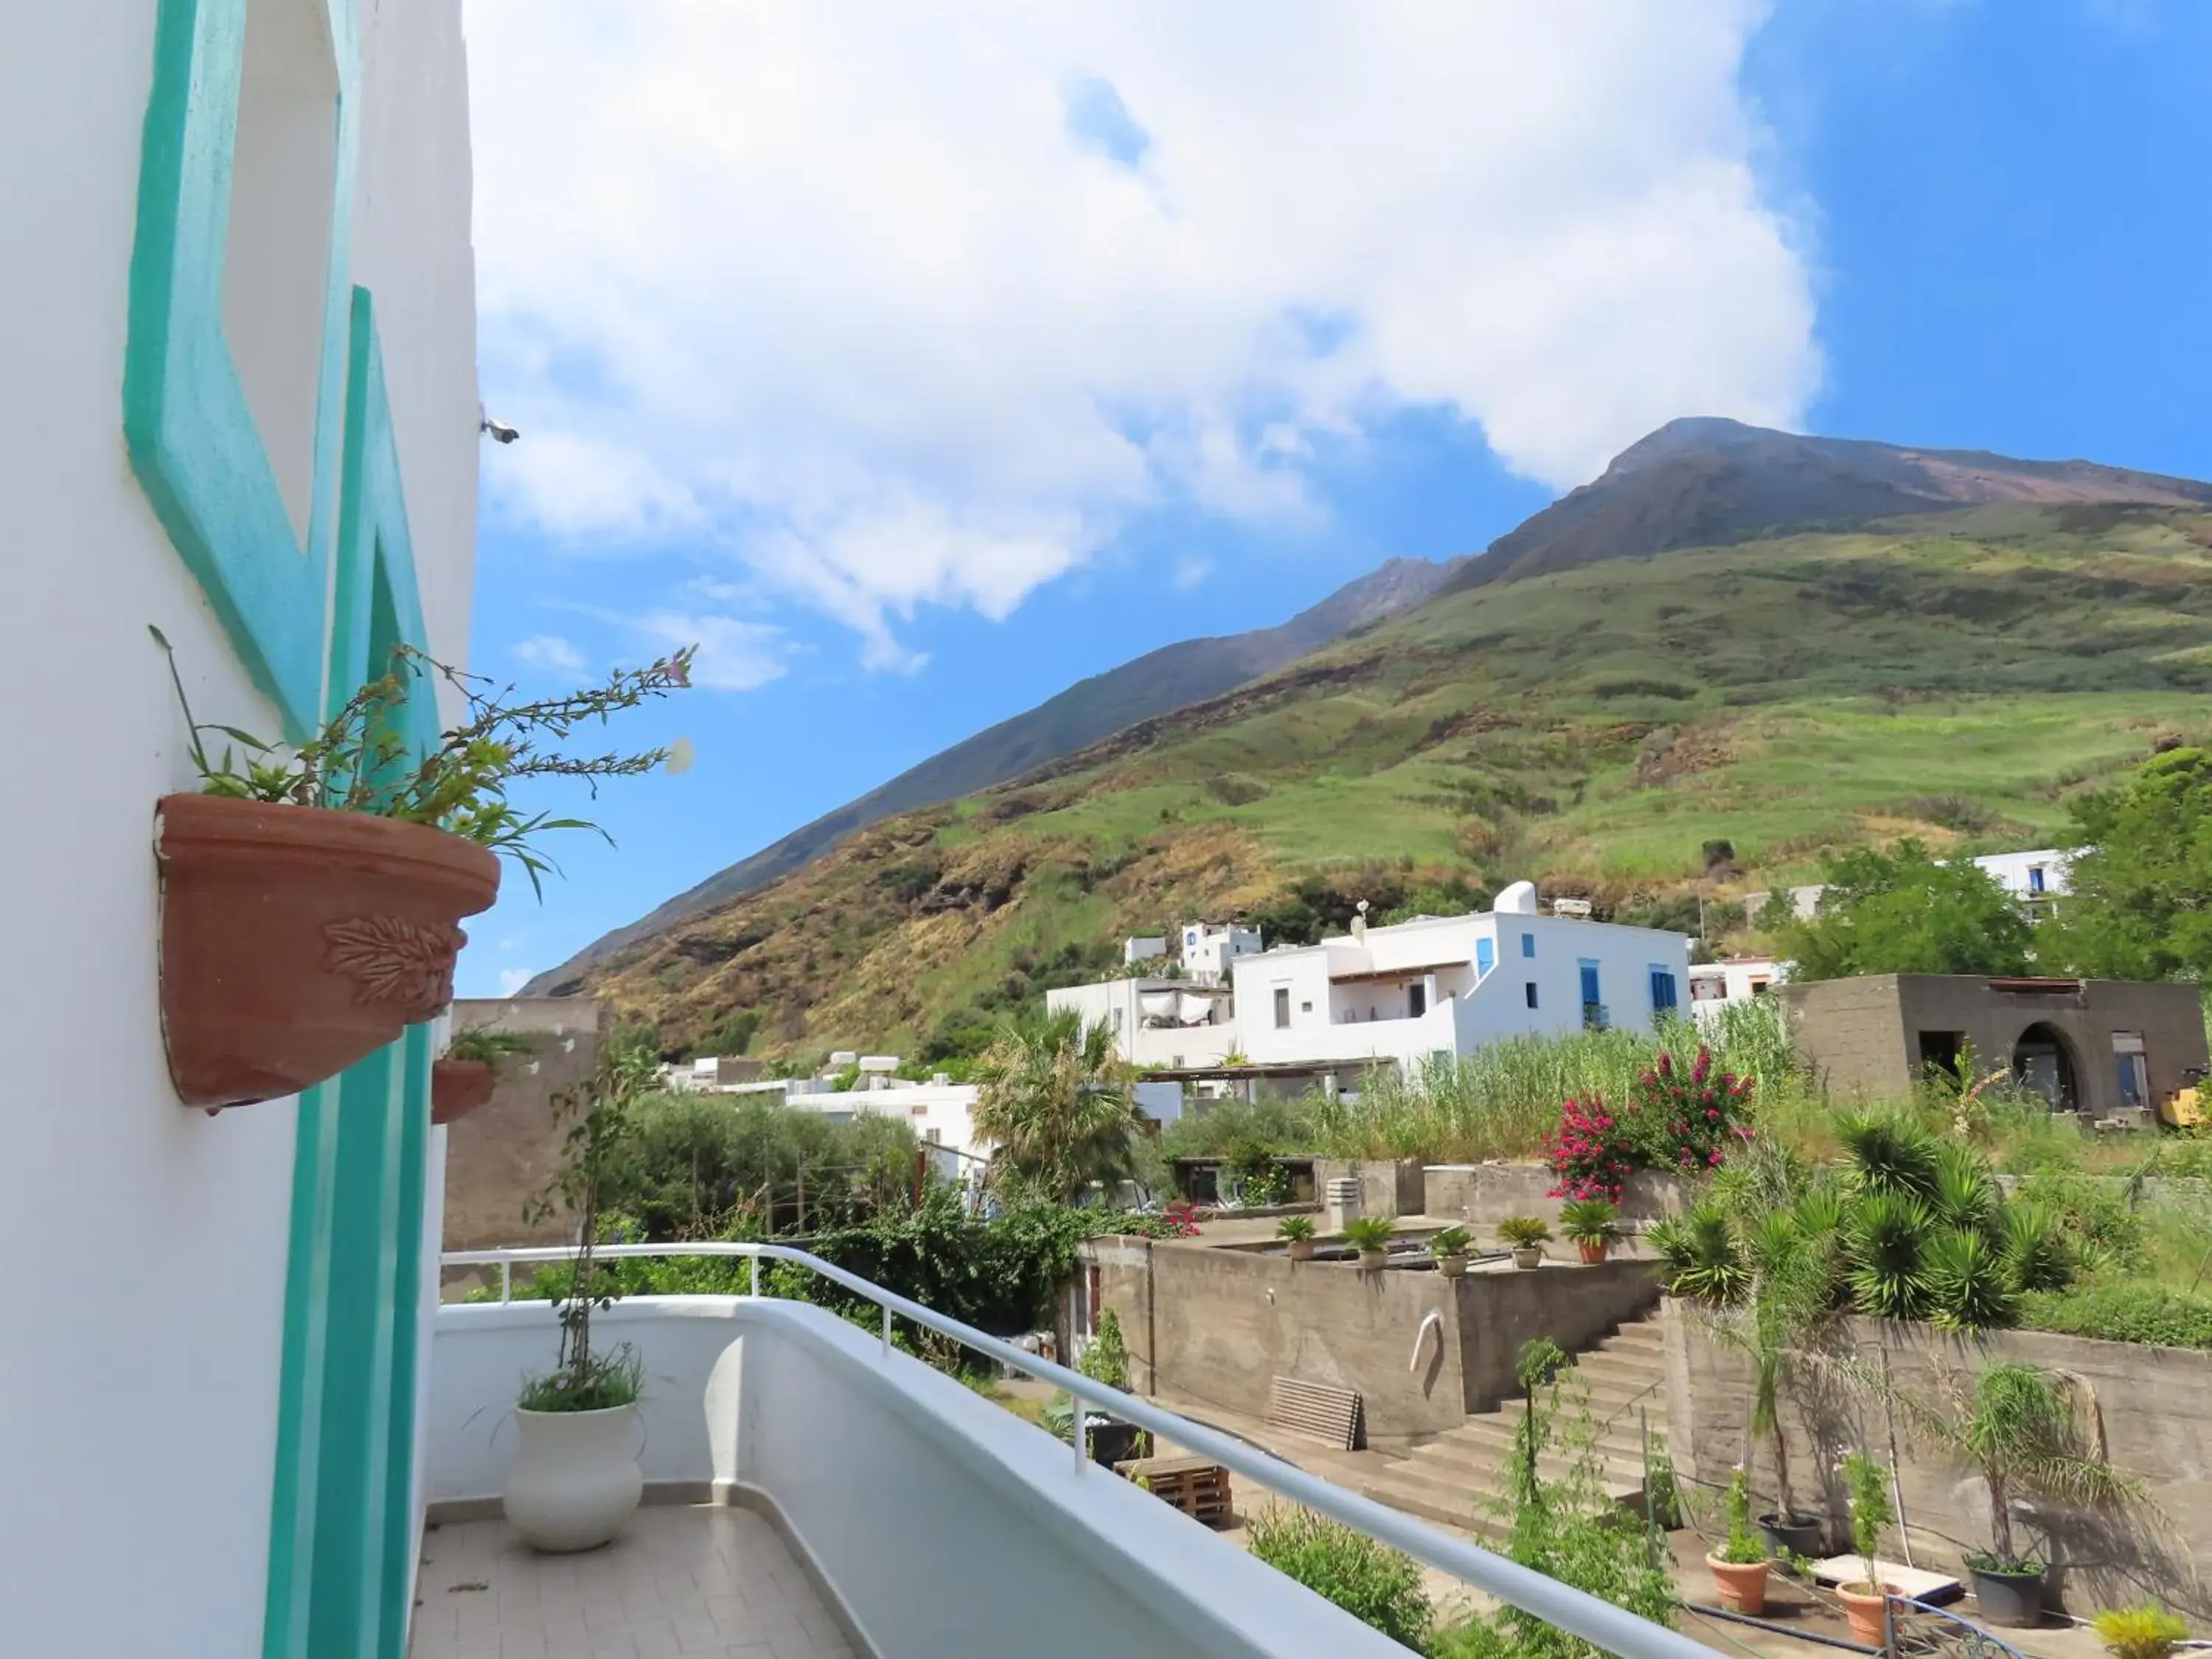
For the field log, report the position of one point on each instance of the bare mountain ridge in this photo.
(1704, 481)
(1158, 683)
(1698, 481)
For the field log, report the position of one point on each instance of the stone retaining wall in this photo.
(2156, 1405)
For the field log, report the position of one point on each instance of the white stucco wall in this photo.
(899, 1481)
(136, 1426)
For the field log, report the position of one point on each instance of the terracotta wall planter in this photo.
(457, 1087)
(296, 941)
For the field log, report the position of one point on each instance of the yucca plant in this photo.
(1699, 1251)
(1891, 1156)
(1965, 1194)
(1887, 1240)
(1970, 1283)
(2149, 1631)
(2036, 1249)
(1590, 1221)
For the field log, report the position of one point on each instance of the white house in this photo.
(237, 313)
(2033, 878)
(1718, 984)
(1209, 949)
(1143, 947)
(1158, 1021)
(1447, 985)
(1437, 985)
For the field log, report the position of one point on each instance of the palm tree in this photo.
(2017, 1428)
(1058, 1104)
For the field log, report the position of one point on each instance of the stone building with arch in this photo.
(2099, 1047)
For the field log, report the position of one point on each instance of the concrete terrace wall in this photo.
(1385, 1188)
(499, 1155)
(2156, 1405)
(1215, 1327)
(1483, 1194)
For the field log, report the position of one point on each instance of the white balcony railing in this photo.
(1082, 1493)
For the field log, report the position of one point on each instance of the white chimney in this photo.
(1517, 899)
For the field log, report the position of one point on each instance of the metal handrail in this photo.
(1576, 1611)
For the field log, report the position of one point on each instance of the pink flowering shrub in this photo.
(1680, 1121)
(1591, 1152)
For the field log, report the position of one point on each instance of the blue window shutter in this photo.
(1486, 957)
(1528, 945)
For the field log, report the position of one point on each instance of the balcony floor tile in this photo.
(681, 1581)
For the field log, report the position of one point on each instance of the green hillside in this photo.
(1957, 677)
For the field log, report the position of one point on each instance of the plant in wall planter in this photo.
(1592, 1225)
(463, 1077)
(576, 1479)
(311, 894)
(1449, 1248)
(1297, 1232)
(1739, 1566)
(1370, 1235)
(1866, 1603)
(1525, 1234)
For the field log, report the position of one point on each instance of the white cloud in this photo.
(733, 656)
(918, 305)
(550, 651)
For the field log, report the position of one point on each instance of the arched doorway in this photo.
(2042, 1063)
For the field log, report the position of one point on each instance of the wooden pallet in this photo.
(1197, 1485)
(1316, 1410)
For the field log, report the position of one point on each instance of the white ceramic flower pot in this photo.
(575, 1478)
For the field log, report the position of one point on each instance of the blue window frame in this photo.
(1592, 995)
(1529, 990)
(1486, 957)
(1528, 945)
(1662, 988)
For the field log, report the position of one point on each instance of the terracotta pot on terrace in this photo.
(1299, 1249)
(1594, 1251)
(1740, 1586)
(457, 1087)
(1867, 1606)
(296, 941)
(1452, 1266)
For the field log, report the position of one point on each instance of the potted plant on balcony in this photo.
(1370, 1235)
(2016, 1427)
(1739, 1566)
(1866, 1603)
(1297, 1232)
(575, 1478)
(1526, 1235)
(1449, 1248)
(463, 1077)
(1592, 1225)
(311, 894)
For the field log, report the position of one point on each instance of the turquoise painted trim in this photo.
(345, 1504)
(299, 1414)
(395, 1586)
(346, 1576)
(186, 424)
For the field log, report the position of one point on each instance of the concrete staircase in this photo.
(1449, 1478)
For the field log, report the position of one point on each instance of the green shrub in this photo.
(1295, 1227)
(2131, 1311)
(2149, 1631)
(1524, 1232)
(1373, 1582)
(1452, 1241)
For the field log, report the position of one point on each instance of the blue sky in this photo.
(1021, 347)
